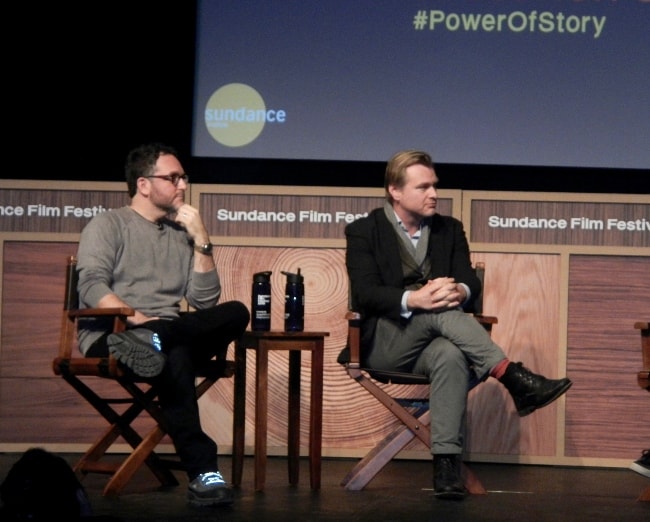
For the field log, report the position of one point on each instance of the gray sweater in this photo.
(146, 265)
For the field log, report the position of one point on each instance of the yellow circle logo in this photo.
(235, 115)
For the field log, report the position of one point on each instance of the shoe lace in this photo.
(445, 466)
(155, 341)
(211, 478)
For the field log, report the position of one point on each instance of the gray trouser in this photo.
(453, 350)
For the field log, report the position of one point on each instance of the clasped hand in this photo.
(437, 295)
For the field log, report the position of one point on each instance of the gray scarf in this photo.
(415, 263)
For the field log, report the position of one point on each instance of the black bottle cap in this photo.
(294, 278)
(262, 277)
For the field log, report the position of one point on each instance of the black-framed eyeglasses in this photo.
(174, 179)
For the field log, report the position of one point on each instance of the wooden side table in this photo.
(263, 343)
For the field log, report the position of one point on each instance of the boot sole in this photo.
(132, 352)
(450, 495)
(530, 409)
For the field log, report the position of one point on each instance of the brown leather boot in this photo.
(531, 391)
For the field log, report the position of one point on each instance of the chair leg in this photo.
(377, 458)
(121, 473)
(370, 465)
(90, 461)
(645, 495)
(120, 425)
(472, 483)
(419, 429)
(142, 454)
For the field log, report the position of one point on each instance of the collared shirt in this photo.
(405, 312)
(415, 237)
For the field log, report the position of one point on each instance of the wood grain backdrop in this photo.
(562, 309)
(603, 409)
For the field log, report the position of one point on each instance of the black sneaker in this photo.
(209, 489)
(138, 349)
(642, 465)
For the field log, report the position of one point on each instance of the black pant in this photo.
(189, 341)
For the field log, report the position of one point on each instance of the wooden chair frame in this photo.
(413, 413)
(643, 378)
(81, 372)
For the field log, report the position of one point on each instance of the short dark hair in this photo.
(141, 161)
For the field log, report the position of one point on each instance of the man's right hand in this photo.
(437, 295)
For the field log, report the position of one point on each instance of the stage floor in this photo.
(401, 492)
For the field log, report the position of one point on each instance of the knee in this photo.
(450, 354)
(444, 356)
(234, 316)
(240, 313)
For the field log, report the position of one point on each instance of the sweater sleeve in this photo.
(95, 260)
(204, 289)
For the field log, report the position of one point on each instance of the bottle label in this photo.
(263, 300)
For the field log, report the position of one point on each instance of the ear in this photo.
(144, 186)
(394, 192)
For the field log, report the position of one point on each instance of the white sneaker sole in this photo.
(225, 499)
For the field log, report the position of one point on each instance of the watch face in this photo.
(204, 249)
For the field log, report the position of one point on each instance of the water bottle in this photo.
(261, 302)
(294, 304)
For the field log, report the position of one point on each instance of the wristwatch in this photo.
(205, 249)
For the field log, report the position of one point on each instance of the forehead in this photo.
(417, 174)
(168, 164)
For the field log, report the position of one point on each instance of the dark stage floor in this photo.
(401, 492)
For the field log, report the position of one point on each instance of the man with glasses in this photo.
(150, 255)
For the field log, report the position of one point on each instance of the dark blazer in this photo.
(375, 270)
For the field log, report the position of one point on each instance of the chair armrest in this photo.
(102, 312)
(353, 316)
(644, 328)
(69, 327)
(119, 315)
(644, 379)
(486, 319)
(97, 366)
(354, 337)
(643, 376)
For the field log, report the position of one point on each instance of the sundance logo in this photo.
(236, 114)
